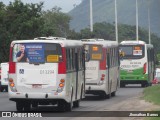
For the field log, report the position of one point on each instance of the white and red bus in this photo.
(102, 67)
(46, 71)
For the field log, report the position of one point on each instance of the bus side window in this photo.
(111, 57)
(108, 60)
(79, 57)
(73, 58)
(69, 59)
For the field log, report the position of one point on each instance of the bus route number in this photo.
(46, 71)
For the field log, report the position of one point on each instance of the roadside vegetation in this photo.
(152, 94)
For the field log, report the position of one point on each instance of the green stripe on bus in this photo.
(136, 74)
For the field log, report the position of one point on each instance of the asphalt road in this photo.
(90, 103)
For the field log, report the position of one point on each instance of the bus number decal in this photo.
(46, 71)
(90, 68)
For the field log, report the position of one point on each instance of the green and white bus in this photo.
(136, 63)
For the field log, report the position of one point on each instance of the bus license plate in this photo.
(36, 86)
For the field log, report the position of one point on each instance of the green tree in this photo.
(18, 21)
(56, 23)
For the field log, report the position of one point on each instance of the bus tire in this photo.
(113, 94)
(103, 95)
(19, 106)
(27, 106)
(108, 96)
(144, 85)
(76, 103)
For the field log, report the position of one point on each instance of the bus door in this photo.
(37, 66)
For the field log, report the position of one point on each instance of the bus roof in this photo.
(64, 42)
(131, 42)
(104, 43)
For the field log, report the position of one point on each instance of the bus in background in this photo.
(4, 77)
(102, 67)
(46, 71)
(136, 63)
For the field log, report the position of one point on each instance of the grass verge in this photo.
(152, 94)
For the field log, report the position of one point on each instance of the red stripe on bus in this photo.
(103, 61)
(62, 65)
(12, 65)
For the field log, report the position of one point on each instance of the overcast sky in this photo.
(66, 5)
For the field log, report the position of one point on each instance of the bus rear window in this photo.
(132, 51)
(94, 51)
(37, 52)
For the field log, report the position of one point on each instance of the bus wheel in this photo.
(143, 85)
(27, 106)
(108, 96)
(103, 95)
(76, 103)
(19, 106)
(113, 93)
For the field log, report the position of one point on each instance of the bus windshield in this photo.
(132, 51)
(94, 52)
(37, 52)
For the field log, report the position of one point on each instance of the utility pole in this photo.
(91, 16)
(116, 24)
(137, 37)
(149, 25)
